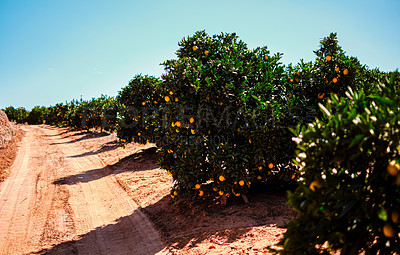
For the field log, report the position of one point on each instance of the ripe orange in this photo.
(392, 168)
(337, 69)
(195, 48)
(249, 140)
(241, 182)
(197, 186)
(177, 130)
(258, 177)
(221, 193)
(260, 167)
(321, 95)
(172, 196)
(334, 80)
(175, 193)
(237, 194)
(345, 72)
(139, 134)
(221, 178)
(178, 123)
(266, 57)
(143, 103)
(388, 230)
(192, 131)
(328, 58)
(215, 189)
(191, 120)
(171, 93)
(315, 184)
(176, 99)
(169, 173)
(270, 165)
(395, 216)
(291, 80)
(167, 98)
(206, 52)
(201, 193)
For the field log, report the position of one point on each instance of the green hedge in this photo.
(138, 119)
(348, 198)
(225, 111)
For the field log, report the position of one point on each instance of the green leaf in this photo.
(356, 140)
(382, 214)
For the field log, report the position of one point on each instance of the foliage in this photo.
(18, 115)
(331, 73)
(37, 115)
(139, 117)
(348, 198)
(225, 114)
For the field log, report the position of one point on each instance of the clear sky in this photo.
(57, 50)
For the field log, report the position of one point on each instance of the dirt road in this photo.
(57, 201)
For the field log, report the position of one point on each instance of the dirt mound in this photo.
(10, 135)
(6, 130)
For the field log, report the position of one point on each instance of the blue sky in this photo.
(58, 50)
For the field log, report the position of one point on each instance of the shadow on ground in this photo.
(142, 160)
(118, 238)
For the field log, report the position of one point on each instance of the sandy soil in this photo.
(81, 193)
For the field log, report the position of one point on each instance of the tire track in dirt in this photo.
(56, 202)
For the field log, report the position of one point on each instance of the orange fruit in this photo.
(169, 173)
(388, 230)
(178, 123)
(345, 72)
(177, 130)
(249, 140)
(206, 52)
(197, 186)
(176, 99)
(191, 120)
(398, 180)
(260, 167)
(258, 177)
(143, 103)
(139, 134)
(392, 168)
(167, 98)
(192, 131)
(171, 93)
(395, 216)
(270, 165)
(291, 80)
(221, 193)
(195, 48)
(201, 193)
(215, 189)
(172, 196)
(221, 178)
(337, 69)
(328, 58)
(175, 193)
(266, 57)
(315, 184)
(241, 182)
(334, 80)
(321, 95)
(237, 194)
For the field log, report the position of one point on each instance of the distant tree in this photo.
(36, 115)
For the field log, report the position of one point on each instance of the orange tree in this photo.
(348, 198)
(225, 114)
(331, 73)
(138, 118)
